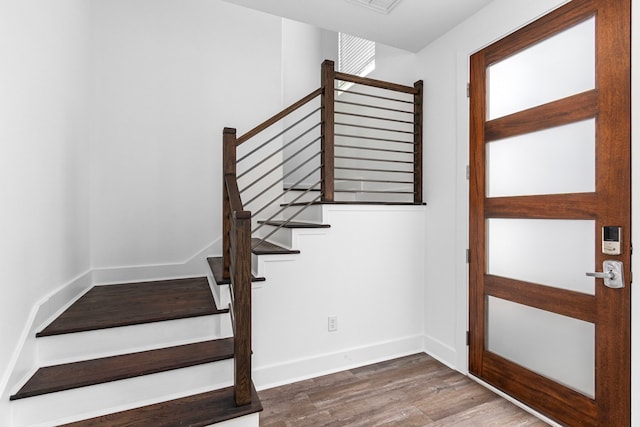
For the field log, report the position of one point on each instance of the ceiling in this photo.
(411, 24)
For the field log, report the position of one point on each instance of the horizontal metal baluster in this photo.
(372, 180)
(375, 191)
(279, 180)
(373, 117)
(374, 128)
(278, 135)
(278, 166)
(255, 214)
(368, 159)
(371, 138)
(280, 149)
(353, 92)
(372, 170)
(374, 106)
(386, 150)
(298, 212)
(286, 206)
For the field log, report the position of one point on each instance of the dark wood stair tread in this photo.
(294, 224)
(135, 303)
(268, 248)
(354, 203)
(194, 411)
(97, 371)
(215, 264)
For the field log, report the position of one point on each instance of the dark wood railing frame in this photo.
(236, 222)
(237, 266)
(328, 78)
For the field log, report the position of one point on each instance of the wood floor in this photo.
(413, 391)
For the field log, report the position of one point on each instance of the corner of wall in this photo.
(25, 356)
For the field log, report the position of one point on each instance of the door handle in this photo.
(613, 274)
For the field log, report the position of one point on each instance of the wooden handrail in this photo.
(236, 240)
(235, 202)
(281, 115)
(375, 83)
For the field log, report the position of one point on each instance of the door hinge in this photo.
(468, 338)
(468, 90)
(468, 173)
(468, 256)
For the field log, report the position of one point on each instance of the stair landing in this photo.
(135, 303)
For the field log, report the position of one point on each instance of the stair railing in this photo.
(237, 226)
(353, 136)
(376, 137)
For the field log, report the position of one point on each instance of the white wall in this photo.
(168, 76)
(444, 66)
(44, 179)
(371, 280)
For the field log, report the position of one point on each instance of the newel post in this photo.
(327, 130)
(417, 140)
(241, 283)
(228, 167)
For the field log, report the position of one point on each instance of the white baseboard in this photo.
(440, 351)
(196, 265)
(25, 356)
(291, 371)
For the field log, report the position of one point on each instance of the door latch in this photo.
(612, 273)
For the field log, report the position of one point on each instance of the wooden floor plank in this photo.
(194, 411)
(97, 371)
(410, 391)
(135, 303)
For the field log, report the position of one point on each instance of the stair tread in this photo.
(268, 248)
(97, 371)
(353, 203)
(195, 411)
(295, 224)
(111, 306)
(215, 264)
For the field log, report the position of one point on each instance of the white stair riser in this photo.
(312, 213)
(301, 196)
(77, 346)
(281, 236)
(251, 420)
(88, 402)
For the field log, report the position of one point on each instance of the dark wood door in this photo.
(550, 139)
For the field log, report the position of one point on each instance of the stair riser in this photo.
(281, 236)
(87, 402)
(66, 348)
(312, 213)
(252, 420)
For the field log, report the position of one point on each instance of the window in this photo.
(356, 55)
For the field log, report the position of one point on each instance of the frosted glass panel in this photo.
(552, 161)
(560, 66)
(555, 253)
(556, 346)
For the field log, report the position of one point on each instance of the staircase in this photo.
(149, 381)
(162, 353)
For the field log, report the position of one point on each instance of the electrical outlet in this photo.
(333, 323)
